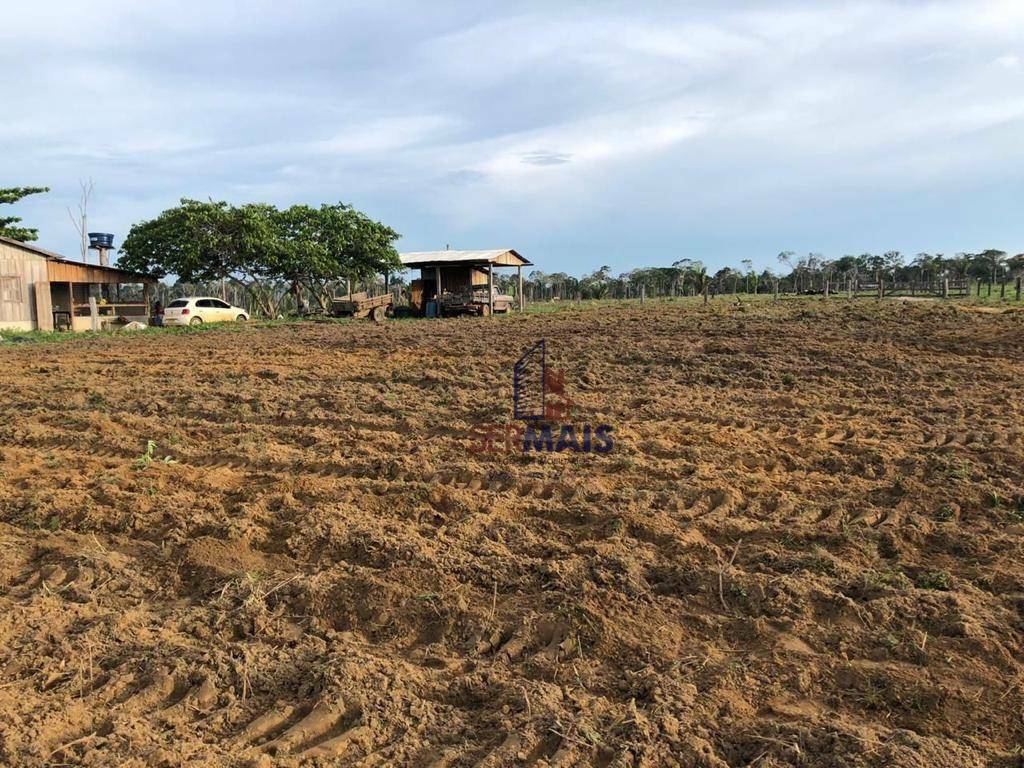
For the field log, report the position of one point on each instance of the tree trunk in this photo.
(300, 305)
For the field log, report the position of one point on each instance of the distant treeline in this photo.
(813, 273)
(991, 269)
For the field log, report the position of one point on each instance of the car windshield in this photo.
(178, 303)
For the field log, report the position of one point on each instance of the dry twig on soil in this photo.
(723, 566)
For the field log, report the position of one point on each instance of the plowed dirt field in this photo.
(805, 548)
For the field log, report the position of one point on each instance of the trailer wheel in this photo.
(485, 310)
(377, 315)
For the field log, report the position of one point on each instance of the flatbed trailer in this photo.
(473, 302)
(360, 305)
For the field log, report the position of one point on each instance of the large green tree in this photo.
(8, 224)
(260, 249)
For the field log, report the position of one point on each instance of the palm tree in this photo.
(993, 259)
(751, 275)
(923, 264)
(700, 274)
(847, 267)
(893, 262)
(786, 257)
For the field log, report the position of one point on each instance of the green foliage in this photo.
(940, 580)
(256, 244)
(960, 471)
(201, 241)
(7, 223)
(148, 457)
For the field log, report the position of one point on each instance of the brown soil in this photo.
(805, 548)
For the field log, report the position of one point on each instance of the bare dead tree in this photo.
(81, 221)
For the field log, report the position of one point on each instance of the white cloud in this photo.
(384, 134)
(686, 120)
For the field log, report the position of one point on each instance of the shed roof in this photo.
(77, 271)
(503, 258)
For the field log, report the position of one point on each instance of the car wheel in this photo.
(196, 321)
(241, 319)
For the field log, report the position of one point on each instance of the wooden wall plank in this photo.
(24, 269)
(44, 309)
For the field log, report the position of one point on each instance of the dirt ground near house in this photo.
(805, 548)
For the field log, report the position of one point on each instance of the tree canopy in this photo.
(8, 224)
(255, 245)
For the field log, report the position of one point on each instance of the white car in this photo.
(202, 309)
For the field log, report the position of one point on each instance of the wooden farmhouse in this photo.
(43, 290)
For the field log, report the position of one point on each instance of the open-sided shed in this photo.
(39, 288)
(462, 271)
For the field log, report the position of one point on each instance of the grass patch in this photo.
(938, 580)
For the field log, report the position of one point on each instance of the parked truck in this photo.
(474, 302)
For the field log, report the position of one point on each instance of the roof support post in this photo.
(437, 297)
(94, 314)
(522, 298)
(490, 289)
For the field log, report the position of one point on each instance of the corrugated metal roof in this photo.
(51, 256)
(31, 247)
(458, 257)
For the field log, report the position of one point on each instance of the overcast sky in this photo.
(581, 134)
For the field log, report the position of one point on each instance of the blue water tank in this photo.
(101, 240)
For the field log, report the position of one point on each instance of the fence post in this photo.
(945, 288)
(1019, 281)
